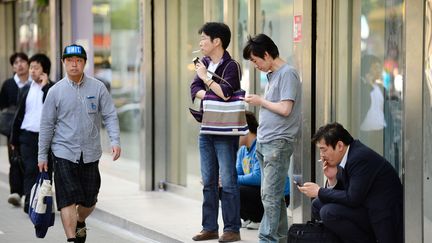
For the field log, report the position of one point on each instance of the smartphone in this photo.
(298, 180)
(195, 60)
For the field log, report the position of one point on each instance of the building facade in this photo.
(363, 63)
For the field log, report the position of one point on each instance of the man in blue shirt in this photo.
(249, 177)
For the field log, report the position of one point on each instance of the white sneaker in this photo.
(253, 225)
(244, 223)
(14, 199)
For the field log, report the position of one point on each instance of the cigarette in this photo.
(196, 51)
(320, 160)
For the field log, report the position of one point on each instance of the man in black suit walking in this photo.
(362, 200)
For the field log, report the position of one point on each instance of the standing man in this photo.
(279, 122)
(72, 115)
(363, 199)
(25, 129)
(9, 100)
(218, 152)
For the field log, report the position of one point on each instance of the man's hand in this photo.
(43, 79)
(116, 151)
(43, 166)
(330, 172)
(310, 189)
(253, 99)
(201, 70)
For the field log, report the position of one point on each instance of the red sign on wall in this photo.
(297, 28)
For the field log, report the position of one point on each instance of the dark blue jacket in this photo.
(232, 75)
(368, 180)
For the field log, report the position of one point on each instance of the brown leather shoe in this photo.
(229, 236)
(206, 235)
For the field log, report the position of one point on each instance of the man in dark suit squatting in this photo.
(362, 200)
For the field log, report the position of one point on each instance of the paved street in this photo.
(15, 226)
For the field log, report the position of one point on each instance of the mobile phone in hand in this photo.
(195, 60)
(298, 180)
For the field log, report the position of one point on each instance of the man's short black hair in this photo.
(258, 45)
(43, 60)
(16, 55)
(332, 133)
(217, 30)
(251, 122)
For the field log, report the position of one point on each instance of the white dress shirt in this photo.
(33, 110)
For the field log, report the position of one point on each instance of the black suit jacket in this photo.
(368, 180)
(19, 115)
(8, 94)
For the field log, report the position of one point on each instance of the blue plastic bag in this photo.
(41, 209)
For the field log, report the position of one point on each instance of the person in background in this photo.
(26, 125)
(73, 112)
(9, 100)
(362, 201)
(279, 123)
(217, 152)
(249, 178)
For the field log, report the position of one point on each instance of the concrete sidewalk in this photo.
(160, 216)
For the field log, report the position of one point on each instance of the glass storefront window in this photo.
(370, 104)
(33, 27)
(381, 78)
(117, 50)
(183, 23)
(275, 19)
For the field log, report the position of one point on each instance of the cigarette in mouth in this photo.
(196, 51)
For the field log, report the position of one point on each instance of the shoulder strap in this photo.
(223, 72)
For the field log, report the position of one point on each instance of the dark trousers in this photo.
(352, 225)
(16, 175)
(29, 154)
(251, 207)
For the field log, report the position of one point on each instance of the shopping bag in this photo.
(6, 120)
(222, 117)
(41, 209)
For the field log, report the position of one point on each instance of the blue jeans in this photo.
(274, 158)
(218, 154)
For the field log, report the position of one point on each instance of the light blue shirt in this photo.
(71, 120)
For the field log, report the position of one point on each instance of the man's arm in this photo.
(110, 119)
(282, 108)
(46, 132)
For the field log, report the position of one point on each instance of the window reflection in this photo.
(276, 21)
(116, 63)
(381, 78)
(33, 24)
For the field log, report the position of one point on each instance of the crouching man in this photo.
(362, 200)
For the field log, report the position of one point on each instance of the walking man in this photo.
(25, 129)
(72, 113)
(279, 122)
(8, 100)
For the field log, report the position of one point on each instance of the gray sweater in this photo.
(71, 119)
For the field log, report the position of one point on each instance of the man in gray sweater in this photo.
(72, 114)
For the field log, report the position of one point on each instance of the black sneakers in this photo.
(80, 232)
